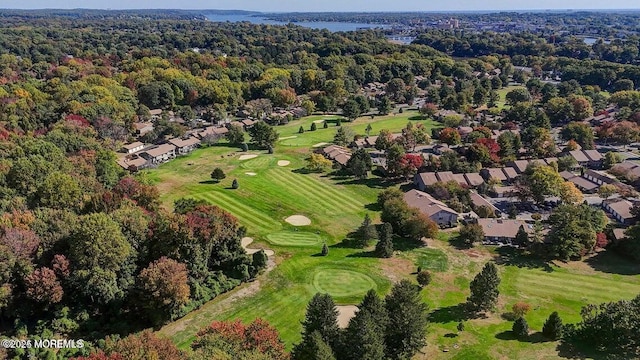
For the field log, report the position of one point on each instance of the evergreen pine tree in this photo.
(363, 339)
(552, 328)
(325, 125)
(322, 316)
(484, 289)
(301, 130)
(384, 247)
(234, 184)
(365, 232)
(374, 305)
(407, 326)
(325, 250)
(312, 348)
(313, 126)
(520, 328)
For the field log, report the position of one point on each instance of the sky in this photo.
(325, 5)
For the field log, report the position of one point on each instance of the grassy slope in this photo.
(337, 207)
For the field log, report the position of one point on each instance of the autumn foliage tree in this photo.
(43, 286)
(450, 136)
(239, 341)
(163, 288)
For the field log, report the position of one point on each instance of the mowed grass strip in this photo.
(573, 287)
(294, 238)
(261, 162)
(341, 198)
(249, 216)
(341, 283)
(320, 194)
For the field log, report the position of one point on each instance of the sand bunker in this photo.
(284, 162)
(247, 157)
(345, 313)
(298, 220)
(320, 121)
(251, 174)
(319, 144)
(287, 138)
(246, 241)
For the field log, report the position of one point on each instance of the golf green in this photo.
(342, 283)
(294, 238)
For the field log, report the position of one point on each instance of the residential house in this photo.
(493, 174)
(598, 177)
(342, 158)
(580, 157)
(143, 128)
(155, 113)
(445, 176)
(618, 234)
(460, 179)
(510, 173)
(185, 146)
(434, 209)
(620, 209)
(133, 147)
(501, 231)
(159, 154)
(595, 158)
(422, 180)
(132, 163)
(473, 179)
(212, 131)
(584, 185)
(478, 200)
(519, 165)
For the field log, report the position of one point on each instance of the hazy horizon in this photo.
(327, 5)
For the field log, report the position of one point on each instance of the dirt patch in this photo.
(284, 162)
(250, 174)
(345, 313)
(298, 220)
(396, 268)
(247, 157)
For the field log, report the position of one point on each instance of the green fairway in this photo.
(337, 207)
(294, 238)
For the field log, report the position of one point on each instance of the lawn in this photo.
(502, 103)
(269, 193)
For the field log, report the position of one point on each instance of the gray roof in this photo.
(474, 179)
(593, 155)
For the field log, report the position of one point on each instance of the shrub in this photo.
(244, 147)
(520, 309)
(520, 328)
(325, 125)
(552, 328)
(325, 250)
(234, 184)
(460, 326)
(424, 278)
(313, 127)
(301, 130)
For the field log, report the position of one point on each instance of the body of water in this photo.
(331, 26)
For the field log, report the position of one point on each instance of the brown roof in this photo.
(155, 112)
(579, 156)
(180, 143)
(501, 228)
(126, 163)
(161, 150)
(626, 165)
(567, 175)
(142, 125)
(426, 203)
(479, 200)
(596, 175)
(132, 145)
(619, 233)
(474, 179)
(445, 176)
(551, 160)
(519, 165)
(583, 183)
(460, 179)
(593, 155)
(495, 173)
(622, 207)
(428, 178)
(342, 158)
(504, 189)
(510, 173)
